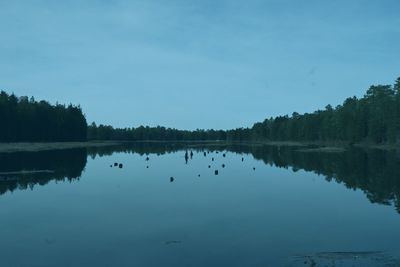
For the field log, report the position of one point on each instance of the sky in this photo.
(197, 64)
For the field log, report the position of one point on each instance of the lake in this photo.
(267, 206)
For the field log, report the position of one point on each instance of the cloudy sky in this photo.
(197, 64)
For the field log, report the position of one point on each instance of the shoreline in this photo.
(36, 147)
(303, 146)
(327, 146)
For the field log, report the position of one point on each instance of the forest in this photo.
(23, 119)
(373, 118)
(105, 132)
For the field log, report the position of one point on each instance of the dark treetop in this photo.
(374, 118)
(27, 120)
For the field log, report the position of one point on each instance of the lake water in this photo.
(269, 206)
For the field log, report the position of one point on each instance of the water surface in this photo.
(269, 206)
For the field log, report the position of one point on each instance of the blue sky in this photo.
(197, 64)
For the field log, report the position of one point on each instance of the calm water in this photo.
(276, 207)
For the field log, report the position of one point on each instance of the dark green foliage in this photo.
(26, 120)
(158, 133)
(375, 118)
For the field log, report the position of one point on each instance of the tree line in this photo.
(373, 118)
(24, 119)
(106, 132)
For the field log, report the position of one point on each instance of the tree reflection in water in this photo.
(22, 170)
(375, 172)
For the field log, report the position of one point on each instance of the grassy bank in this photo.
(303, 146)
(34, 147)
(328, 147)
